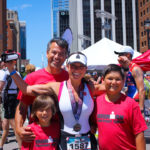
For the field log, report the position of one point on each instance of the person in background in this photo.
(118, 117)
(9, 92)
(29, 69)
(2, 67)
(75, 103)
(134, 78)
(57, 50)
(96, 78)
(44, 127)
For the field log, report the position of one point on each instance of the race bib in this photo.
(79, 143)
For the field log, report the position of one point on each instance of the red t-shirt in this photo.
(46, 137)
(118, 123)
(41, 77)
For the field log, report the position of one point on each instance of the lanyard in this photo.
(76, 104)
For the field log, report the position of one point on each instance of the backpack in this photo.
(9, 81)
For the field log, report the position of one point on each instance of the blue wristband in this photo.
(13, 72)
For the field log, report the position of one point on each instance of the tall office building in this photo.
(3, 29)
(144, 15)
(13, 33)
(23, 39)
(60, 16)
(91, 20)
(13, 23)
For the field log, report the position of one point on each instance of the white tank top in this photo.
(66, 110)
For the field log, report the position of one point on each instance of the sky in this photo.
(36, 14)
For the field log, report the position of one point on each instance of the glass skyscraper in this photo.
(60, 16)
(23, 39)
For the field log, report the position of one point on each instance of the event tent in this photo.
(101, 54)
(143, 61)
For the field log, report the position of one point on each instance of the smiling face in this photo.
(44, 116)
(56, 55)
(76, 71)
(113, 83)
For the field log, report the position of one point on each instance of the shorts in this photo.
(64, 135)
(10, 104)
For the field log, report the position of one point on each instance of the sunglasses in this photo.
(75, 67)
(122, 54)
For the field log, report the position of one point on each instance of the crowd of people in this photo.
(68, 106)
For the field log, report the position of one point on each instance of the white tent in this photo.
(101, 54)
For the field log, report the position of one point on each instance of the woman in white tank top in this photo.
(75, 103)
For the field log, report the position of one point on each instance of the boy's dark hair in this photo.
(113, 67)
(44, 101)
(60, 42)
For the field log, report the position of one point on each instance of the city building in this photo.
(92, 20)
(3, 30)
(144, 30)
(24, 61)
(13, 33)
(23, 39)
(60, 17)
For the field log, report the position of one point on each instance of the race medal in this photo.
(77, 127)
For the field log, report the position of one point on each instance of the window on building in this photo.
(141, 23)
(144, 12)
(142, 44)
(141, 14)
(143, 2)
(148, 10)
(145, 43)
(140, 4)
(8, 15)
(142, 34)
(12, 15)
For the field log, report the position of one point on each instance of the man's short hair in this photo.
(60, 42)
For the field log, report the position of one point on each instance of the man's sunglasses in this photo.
(122, 54)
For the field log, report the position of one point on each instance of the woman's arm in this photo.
(34, 89)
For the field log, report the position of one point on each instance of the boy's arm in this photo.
(140, 141)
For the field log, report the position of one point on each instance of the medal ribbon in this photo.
(76, 105)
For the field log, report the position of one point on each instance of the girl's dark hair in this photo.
(113, 67)
(44, 101)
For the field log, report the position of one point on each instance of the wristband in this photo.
(13, 72)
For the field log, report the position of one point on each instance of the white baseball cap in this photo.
(125, 49)
(77, 57)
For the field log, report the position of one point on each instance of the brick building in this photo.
(3, 38)
(144, 14)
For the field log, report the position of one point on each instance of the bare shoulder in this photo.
(137, 72)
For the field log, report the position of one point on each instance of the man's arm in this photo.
(138, 77)
(140, 141)
(25, 133)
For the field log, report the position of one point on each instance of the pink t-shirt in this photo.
(118, 123)
(41, 77)
(46, 137)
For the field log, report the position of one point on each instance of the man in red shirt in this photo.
(56, 54)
